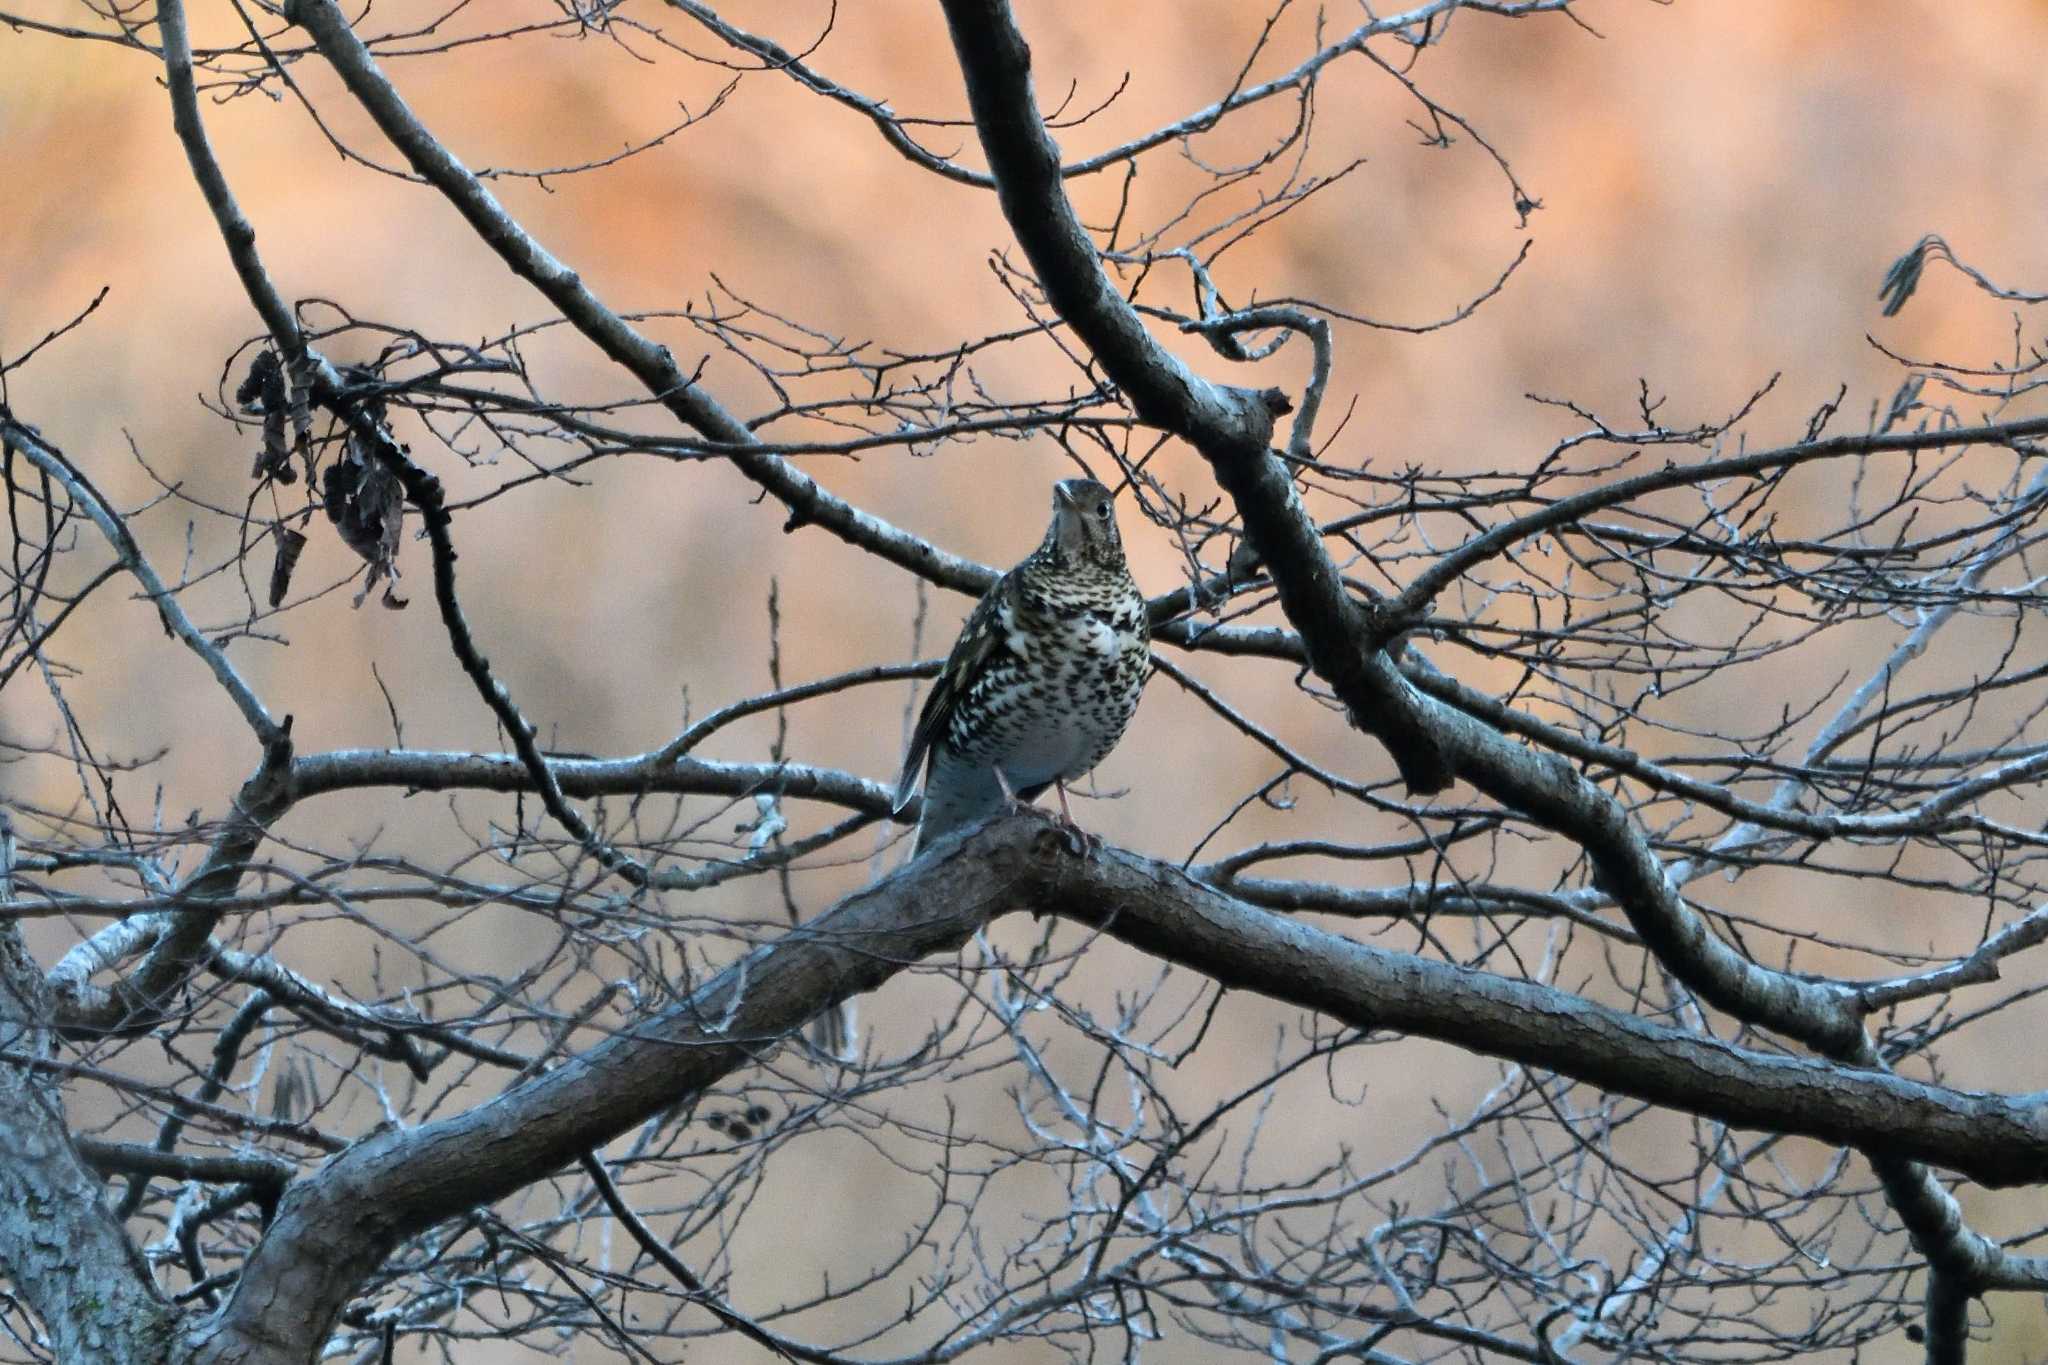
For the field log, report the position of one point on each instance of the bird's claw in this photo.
(1079, 841)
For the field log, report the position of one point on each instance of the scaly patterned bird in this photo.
(1045, 677)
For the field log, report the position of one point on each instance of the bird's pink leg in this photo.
(1084, 842)
(1079, 839)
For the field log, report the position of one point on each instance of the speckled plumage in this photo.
(1045, 676)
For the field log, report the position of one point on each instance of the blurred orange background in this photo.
(1721, 186)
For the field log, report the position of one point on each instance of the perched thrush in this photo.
(1045, 676)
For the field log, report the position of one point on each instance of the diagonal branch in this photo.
(16, 435)
(1334, 628)
(175, 942)
(334, 1227)
(1231, 427)
(646, 360)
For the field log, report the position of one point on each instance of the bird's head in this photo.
(1084, 523)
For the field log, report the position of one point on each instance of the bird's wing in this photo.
(979, 640)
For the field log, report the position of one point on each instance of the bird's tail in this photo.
(957, 792)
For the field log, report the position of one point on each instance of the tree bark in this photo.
(61, 1250)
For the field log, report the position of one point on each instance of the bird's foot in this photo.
(1016, 802)
(1080, 841)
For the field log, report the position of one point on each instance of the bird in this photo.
(1044, 679)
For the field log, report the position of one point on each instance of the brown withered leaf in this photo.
(263, 390)
(289, 544)
(299, 403)
(367, 506)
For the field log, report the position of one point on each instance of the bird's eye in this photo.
(1102, 510)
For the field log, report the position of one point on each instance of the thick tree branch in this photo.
(235, 228)
(176, 941)
(336, 1225)
(1231, 427)
(56, 1232)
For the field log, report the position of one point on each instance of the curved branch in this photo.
(1299, 78)
(1415, 599)
(177, 940)
(434, 770)
(646, 360)
(235, 227)
(335, 1226)
(53, 462)
(1231, 427)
